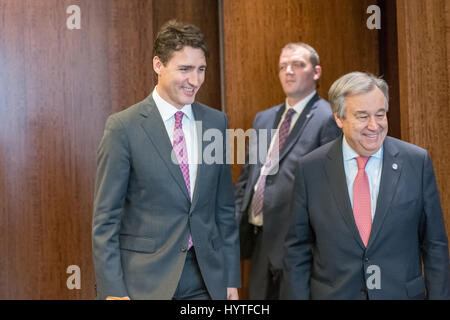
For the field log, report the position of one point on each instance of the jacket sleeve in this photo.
(226, 222)
(240, 186)
(242, 182)
(434, 239)
(113, 167)
(298, 244)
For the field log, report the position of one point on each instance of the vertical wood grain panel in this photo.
(389, 62)
(424, 83)
(57, 86)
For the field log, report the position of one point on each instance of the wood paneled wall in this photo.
(388, 51)
(255, 31)
(57, 87)
(424, 82)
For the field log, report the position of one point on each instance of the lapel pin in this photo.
(394, 166)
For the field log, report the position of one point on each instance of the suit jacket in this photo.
(315, 127)
(143, 213)
(325, 256)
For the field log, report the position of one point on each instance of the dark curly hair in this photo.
(174, 36)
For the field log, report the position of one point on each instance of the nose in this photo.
(289, 69)
(194, 79)
(372, 125)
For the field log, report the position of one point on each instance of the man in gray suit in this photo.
(164, 224)
(304, 122)
(366, 211)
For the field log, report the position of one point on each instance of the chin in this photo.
(369, 151)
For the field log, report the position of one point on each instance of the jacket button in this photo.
(364, 294)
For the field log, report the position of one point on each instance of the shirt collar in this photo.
(350, 154)
(167, 110)
(299, 106)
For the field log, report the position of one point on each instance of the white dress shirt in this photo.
(298, 107)
(167, 112)
(373, 170)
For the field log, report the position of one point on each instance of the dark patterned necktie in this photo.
(283, 133)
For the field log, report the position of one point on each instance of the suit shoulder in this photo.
(214, 117)
(206, 108)
(209, 110)
(265, 117)
(321, 152)
(324, 107)
(405, 146)
(409, 150)
(129, 114)
(321, 101)
(269, 112)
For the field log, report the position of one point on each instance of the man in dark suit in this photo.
(366, 211)
(304, 122)
(164, 224)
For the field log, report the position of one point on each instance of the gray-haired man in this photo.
(366, 209)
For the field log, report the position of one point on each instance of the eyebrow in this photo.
(190, 66)
(365, 112)
(293, 61)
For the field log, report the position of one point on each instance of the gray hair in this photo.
(313, 56)
(351, 84)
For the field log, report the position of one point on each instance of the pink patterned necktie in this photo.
(361, 200)
(283, 133)
(179, 146)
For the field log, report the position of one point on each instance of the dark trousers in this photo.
(191, 285)
(265, 281)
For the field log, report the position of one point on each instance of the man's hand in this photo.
(117, 298)
(232, 294)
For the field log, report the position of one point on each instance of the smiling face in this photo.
(181, 77)
(297, 75)
(365, 124)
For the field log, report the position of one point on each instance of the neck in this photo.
(293, 100)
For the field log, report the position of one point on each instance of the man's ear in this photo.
(338, 120)
(157, 65)
(317, 72)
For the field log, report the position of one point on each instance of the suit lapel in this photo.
(391, 170)
(277, 119)
(299, 126)
(255, 173)
(155, 130)
(334, 168)
(275, 124)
